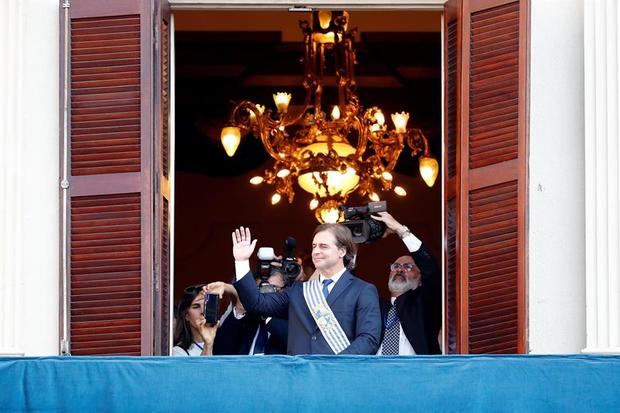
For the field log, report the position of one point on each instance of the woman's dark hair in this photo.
(183, 331)
(344, 239)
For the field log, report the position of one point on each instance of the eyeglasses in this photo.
(397, 266)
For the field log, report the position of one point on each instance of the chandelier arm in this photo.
(394, 159)
(319, 62)
(362, 139)
(415, 135)
(309, 82)
(263, 122)
(350, 67)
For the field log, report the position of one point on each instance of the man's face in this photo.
(404, 276)
(325, 253)
(276, 279)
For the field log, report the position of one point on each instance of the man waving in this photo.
(336, 314)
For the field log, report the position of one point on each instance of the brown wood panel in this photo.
(121, 113)
(91, 299)
(162, 310)
(451, 139)
(491, 173)
(451, 143)
(499, 260)
(491, 30)
(165, 96)
(110, 134)
(165, 278)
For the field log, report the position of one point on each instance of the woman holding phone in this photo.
(193, 335)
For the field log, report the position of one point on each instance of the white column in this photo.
(29, 148)
(602, 154)
(556, 209)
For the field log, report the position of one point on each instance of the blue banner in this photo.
(573, 383)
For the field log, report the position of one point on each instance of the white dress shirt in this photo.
(404, 346)
(334, 278)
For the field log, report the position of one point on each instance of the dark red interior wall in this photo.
(208, 209)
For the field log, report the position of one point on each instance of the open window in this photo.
(119, 202)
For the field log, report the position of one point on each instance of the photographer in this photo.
(412, 317)
(337, 314)
(243, 333)
(193, 335)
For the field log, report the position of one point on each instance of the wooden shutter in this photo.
(162, 200)
(114, 118)
(486, 171)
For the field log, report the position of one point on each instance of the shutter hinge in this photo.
(64, 184)
(64, 348)
(66, 4)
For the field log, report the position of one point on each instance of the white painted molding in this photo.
(336, 4)
(11, 148)
(29, 178)
(602, 178)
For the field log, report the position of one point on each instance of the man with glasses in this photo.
(412, 317)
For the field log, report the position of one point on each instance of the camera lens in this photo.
(291, 269)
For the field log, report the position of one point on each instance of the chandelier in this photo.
(352, 150)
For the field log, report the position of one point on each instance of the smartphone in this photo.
(212, 308)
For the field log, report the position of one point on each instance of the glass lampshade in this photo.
(231, 136)
(429, 169)
(335, 180)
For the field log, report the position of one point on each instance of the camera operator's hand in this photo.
(393, 226)
(243, 246)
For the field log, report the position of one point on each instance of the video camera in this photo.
(268, 265)
(363, 227)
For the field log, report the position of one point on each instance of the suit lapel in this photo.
(410, 314)
(340, 287)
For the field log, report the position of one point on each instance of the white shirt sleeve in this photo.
(236, 314)
(412, 242)
(242, 268)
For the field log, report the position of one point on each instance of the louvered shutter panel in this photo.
(162, 296)
(111, 177)
(486, 194)
(450, 176)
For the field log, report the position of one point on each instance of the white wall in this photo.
(557, 322)
(29, 152)
(29, 204)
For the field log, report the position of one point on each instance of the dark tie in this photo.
(391, 338)
(261, 339)
(326, 282)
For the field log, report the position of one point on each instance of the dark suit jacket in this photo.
(354, 302)
(419, 310)
(235, 336)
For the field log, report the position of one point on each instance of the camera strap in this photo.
(324, 317)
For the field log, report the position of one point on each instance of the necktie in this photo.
(326, 282)
(261, 339)
(391, 338)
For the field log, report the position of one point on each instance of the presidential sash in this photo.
(324, 317)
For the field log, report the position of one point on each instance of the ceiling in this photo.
(223, 57)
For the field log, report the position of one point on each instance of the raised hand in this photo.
(243, 246)
(220, 288)
(393, 226)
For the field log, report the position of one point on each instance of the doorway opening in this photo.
(224, 57)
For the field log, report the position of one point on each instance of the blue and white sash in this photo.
(324, 317)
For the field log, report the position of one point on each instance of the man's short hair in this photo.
(344, 239)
